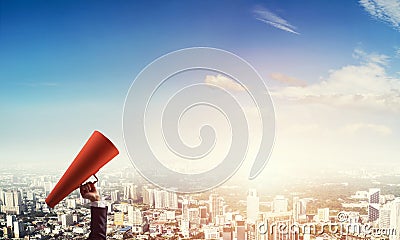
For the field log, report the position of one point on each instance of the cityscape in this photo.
(358, 204)
(279, 118)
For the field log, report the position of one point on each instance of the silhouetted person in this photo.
(98, 223)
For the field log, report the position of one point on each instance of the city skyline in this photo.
(331, 71)
(140, 210)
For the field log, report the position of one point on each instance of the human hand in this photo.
(89, 191)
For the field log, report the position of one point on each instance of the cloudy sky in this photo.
(332, 68)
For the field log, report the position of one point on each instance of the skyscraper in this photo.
(148, 196)
(19, 230)
(253, 204)
(67, 220)
(373, 204)
(323, 214)
(216, 206)
(115, 197)
(10, 220)
(12, 202)
(159, 200)
(130, 191)
(185, 209)
(135, 216)
(165, 199)
(395, 218)
(172, 200)
(296, 209)
(384, 216)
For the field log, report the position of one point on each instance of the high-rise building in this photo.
(216, 206)
(227, 232)
(303, 206)
(280, 204)
(171, 200)
(395, 218)
(12, 202)
(19, 230)
(298, 209)
(115, 197)
(203, 215)
(130, 191)
(67, 220)
(323, 214)
(1, 197)
(48, 186)
(295, 209)
(10, 220)
(373, 204)
(384, 216)
(165, 199)
(159, 198)
(30, 196)
(135, 216)
(194, 215)
(253, 204)
(148, 196)
(185, 209)
(240, 230)
(119, 218)
(71, 203)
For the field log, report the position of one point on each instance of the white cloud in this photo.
(397, 52)
(366, 85)
(268, 17)
(291, 81)
(223, 82)
(370, 57)
(384, 10)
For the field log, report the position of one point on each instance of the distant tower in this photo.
(216, 206)
(384, 216)
(253, 205)
(185, 209)
(148, 196)
(130, 191)
(323, 214)
(171, 200)
(395, 218)
(296, 209)
(115, 197)
(373, 204)
(12, 202)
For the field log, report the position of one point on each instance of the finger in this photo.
(92, 187)
(82, 189)
(85, 188)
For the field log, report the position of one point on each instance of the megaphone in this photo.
(97, 152)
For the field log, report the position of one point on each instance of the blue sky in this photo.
(66, 66)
